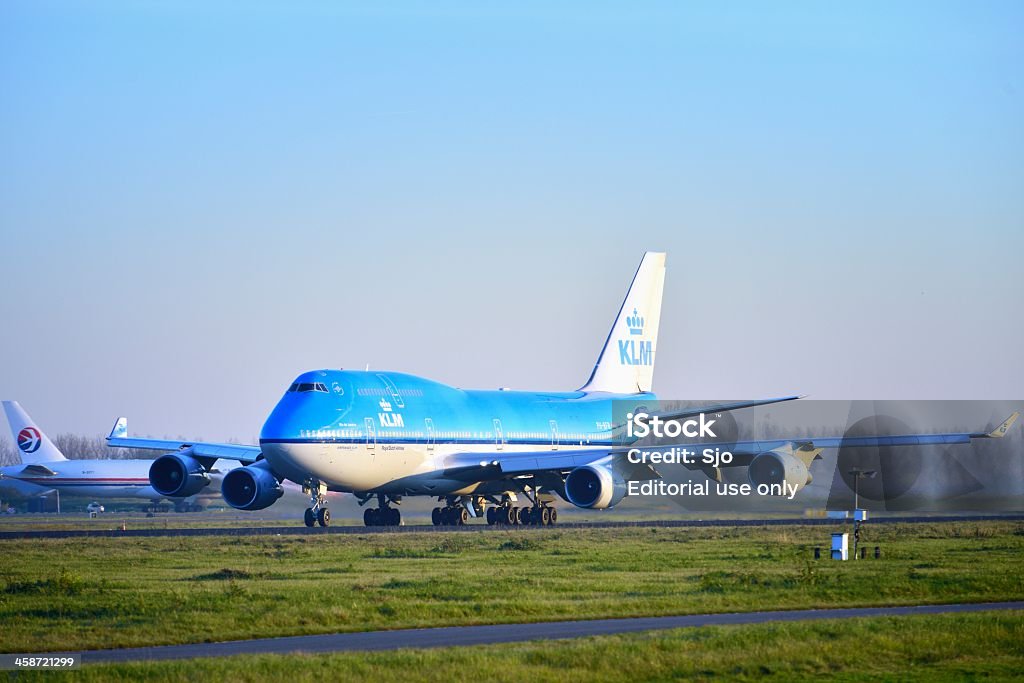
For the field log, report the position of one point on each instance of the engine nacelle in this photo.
(178, 475)
(253, 487)
(594, 486)
(773, 467)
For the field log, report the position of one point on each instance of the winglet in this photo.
(120, 430)
(1000, 431)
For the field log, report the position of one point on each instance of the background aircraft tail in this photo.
(626, 363)
(34, 446)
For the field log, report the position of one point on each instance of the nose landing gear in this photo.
(317, 512)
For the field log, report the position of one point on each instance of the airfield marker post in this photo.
(858, 514)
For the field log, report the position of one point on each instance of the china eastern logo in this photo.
(29, 440)
(635, 351)
(388, 418)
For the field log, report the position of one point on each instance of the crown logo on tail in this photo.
(635, 323)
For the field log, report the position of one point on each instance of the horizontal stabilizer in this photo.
(694, 411)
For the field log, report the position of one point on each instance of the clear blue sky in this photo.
(199, 202)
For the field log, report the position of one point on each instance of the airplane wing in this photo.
(471, 467)
(491, 466)
(720, 407)
(119, 438)
(819, 443)
(503, 464)
(822, 442)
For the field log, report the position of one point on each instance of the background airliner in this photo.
(44, 468)
(385, 435)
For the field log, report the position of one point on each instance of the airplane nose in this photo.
(283, 421)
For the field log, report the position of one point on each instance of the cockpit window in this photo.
(308, 386)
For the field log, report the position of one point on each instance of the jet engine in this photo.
(774, 467)
(178, 475)
(594, 486)
(253, 487)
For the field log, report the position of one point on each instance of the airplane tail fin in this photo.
(626, 363)
(34, 445)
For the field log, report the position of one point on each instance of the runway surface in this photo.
(298, 529)
(507, 633)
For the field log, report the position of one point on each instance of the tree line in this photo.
(76, 447)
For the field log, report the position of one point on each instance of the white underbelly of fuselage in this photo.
(385, 467)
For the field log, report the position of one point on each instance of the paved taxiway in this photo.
(507, 633)
(299, 530)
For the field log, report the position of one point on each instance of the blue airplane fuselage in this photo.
(393, 432)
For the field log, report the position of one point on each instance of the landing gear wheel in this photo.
(394, 517)
(436, 517)
(461, 515)
(509, 515)
(553, 516)
(545, 516)
(317, 510)
(370, 516)
(491, 517)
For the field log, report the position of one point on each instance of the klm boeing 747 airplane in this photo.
(383, 436)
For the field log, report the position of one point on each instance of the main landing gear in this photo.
(456, 513)
(385, 515)
(537, 515)
(317, 512)
(450, 515)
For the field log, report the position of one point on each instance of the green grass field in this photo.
(987, 646)
(70, 594)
